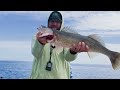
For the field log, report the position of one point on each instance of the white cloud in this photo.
(102, 21)
(40, 16)
(105, 23)
(15, 50)
(37, 15)
(99, 20)
(101, 33)
(15, 44)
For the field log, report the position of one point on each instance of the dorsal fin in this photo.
(69, 29)
(97, 38)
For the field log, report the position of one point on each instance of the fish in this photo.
(67, 39)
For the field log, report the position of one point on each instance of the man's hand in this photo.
(45, 39)
(80, 47)
(42, 40)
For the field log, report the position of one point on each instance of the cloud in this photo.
(93, 19)
(102, 33)
(15, 44)
(36, 15)
(15, 50)
(105, 24)
(102, 21)
(84, 20)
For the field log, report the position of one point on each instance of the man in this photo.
(51, 62)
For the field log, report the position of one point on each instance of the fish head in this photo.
(44, 32)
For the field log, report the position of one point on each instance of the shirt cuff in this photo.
(72, 52)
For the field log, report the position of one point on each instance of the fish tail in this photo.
(115, 60)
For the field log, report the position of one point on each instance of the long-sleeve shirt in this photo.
(60, 58)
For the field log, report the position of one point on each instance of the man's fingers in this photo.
(82, 46)
(87, 48)
(79, 43)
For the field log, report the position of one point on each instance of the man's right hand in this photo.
(42, 40)
(45, 39)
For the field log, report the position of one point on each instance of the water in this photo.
(22, 70)
(15, 69)
(94, 72)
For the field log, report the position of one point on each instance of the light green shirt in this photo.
(60, 59)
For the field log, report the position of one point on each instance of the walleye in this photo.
(67, 39)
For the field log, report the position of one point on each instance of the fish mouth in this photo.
(45, 35)
(50, 37)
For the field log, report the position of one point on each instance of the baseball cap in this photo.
(55, 16)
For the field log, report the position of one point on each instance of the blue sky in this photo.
(18, 27)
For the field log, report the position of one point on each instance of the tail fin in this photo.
(115, 60)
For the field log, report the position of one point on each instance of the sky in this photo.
(18, 27)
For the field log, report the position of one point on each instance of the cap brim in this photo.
(55, 19)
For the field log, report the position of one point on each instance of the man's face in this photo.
(55, 25)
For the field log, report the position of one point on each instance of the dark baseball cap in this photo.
(55, 16)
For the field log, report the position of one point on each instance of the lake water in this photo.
(22, 70)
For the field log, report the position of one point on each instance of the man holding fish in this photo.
(52, 62)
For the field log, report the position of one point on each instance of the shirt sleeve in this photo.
(36, 47)
(68, 56)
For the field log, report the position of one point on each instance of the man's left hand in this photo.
(80, 47)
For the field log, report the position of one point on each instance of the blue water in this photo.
(95, 72)
(22, 70)
(15, 69)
